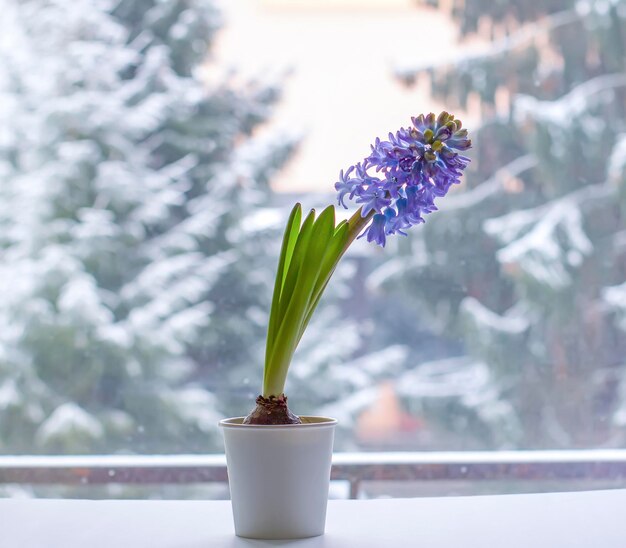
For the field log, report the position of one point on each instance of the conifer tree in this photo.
(526, 264)
(134, 232)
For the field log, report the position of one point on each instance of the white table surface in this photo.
(568, 520)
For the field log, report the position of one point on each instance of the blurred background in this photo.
(150, 151)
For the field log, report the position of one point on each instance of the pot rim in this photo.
(309, 421)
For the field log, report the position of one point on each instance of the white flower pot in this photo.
(279, 476)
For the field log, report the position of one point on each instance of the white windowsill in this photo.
(568, 520)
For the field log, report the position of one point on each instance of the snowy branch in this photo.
(499, 48)
(571, 105)
(546, 240)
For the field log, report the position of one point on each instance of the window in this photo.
(144, 187)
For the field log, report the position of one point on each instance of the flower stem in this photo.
(357, 223)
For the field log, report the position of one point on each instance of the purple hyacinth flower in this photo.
(413, 167)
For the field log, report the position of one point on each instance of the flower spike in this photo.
(415, 166)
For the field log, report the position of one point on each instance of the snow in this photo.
(487, 189)
(195, 405)
(473, 57)
(79, 298)
(542, 241)
(264, 219)
(350, 406)
(69, 420)
(617, 161)
(572, 105)
(453, 377)
(615, 298)
(9, 394)
(481, 315)
(362, 372)
(389, 270)
(184, 325)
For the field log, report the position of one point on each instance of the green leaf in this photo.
(341, 225)
(289, 241)
(334, 252)
(297, 260)
(289, 275)
(308, 260)
(291, 244)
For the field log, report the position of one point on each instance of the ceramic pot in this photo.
(279, 476)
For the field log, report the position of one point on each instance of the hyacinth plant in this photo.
(395, 187)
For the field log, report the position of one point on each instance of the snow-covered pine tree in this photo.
(525, 263)
(133, 262)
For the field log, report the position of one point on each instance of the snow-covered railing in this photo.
(529, 466)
